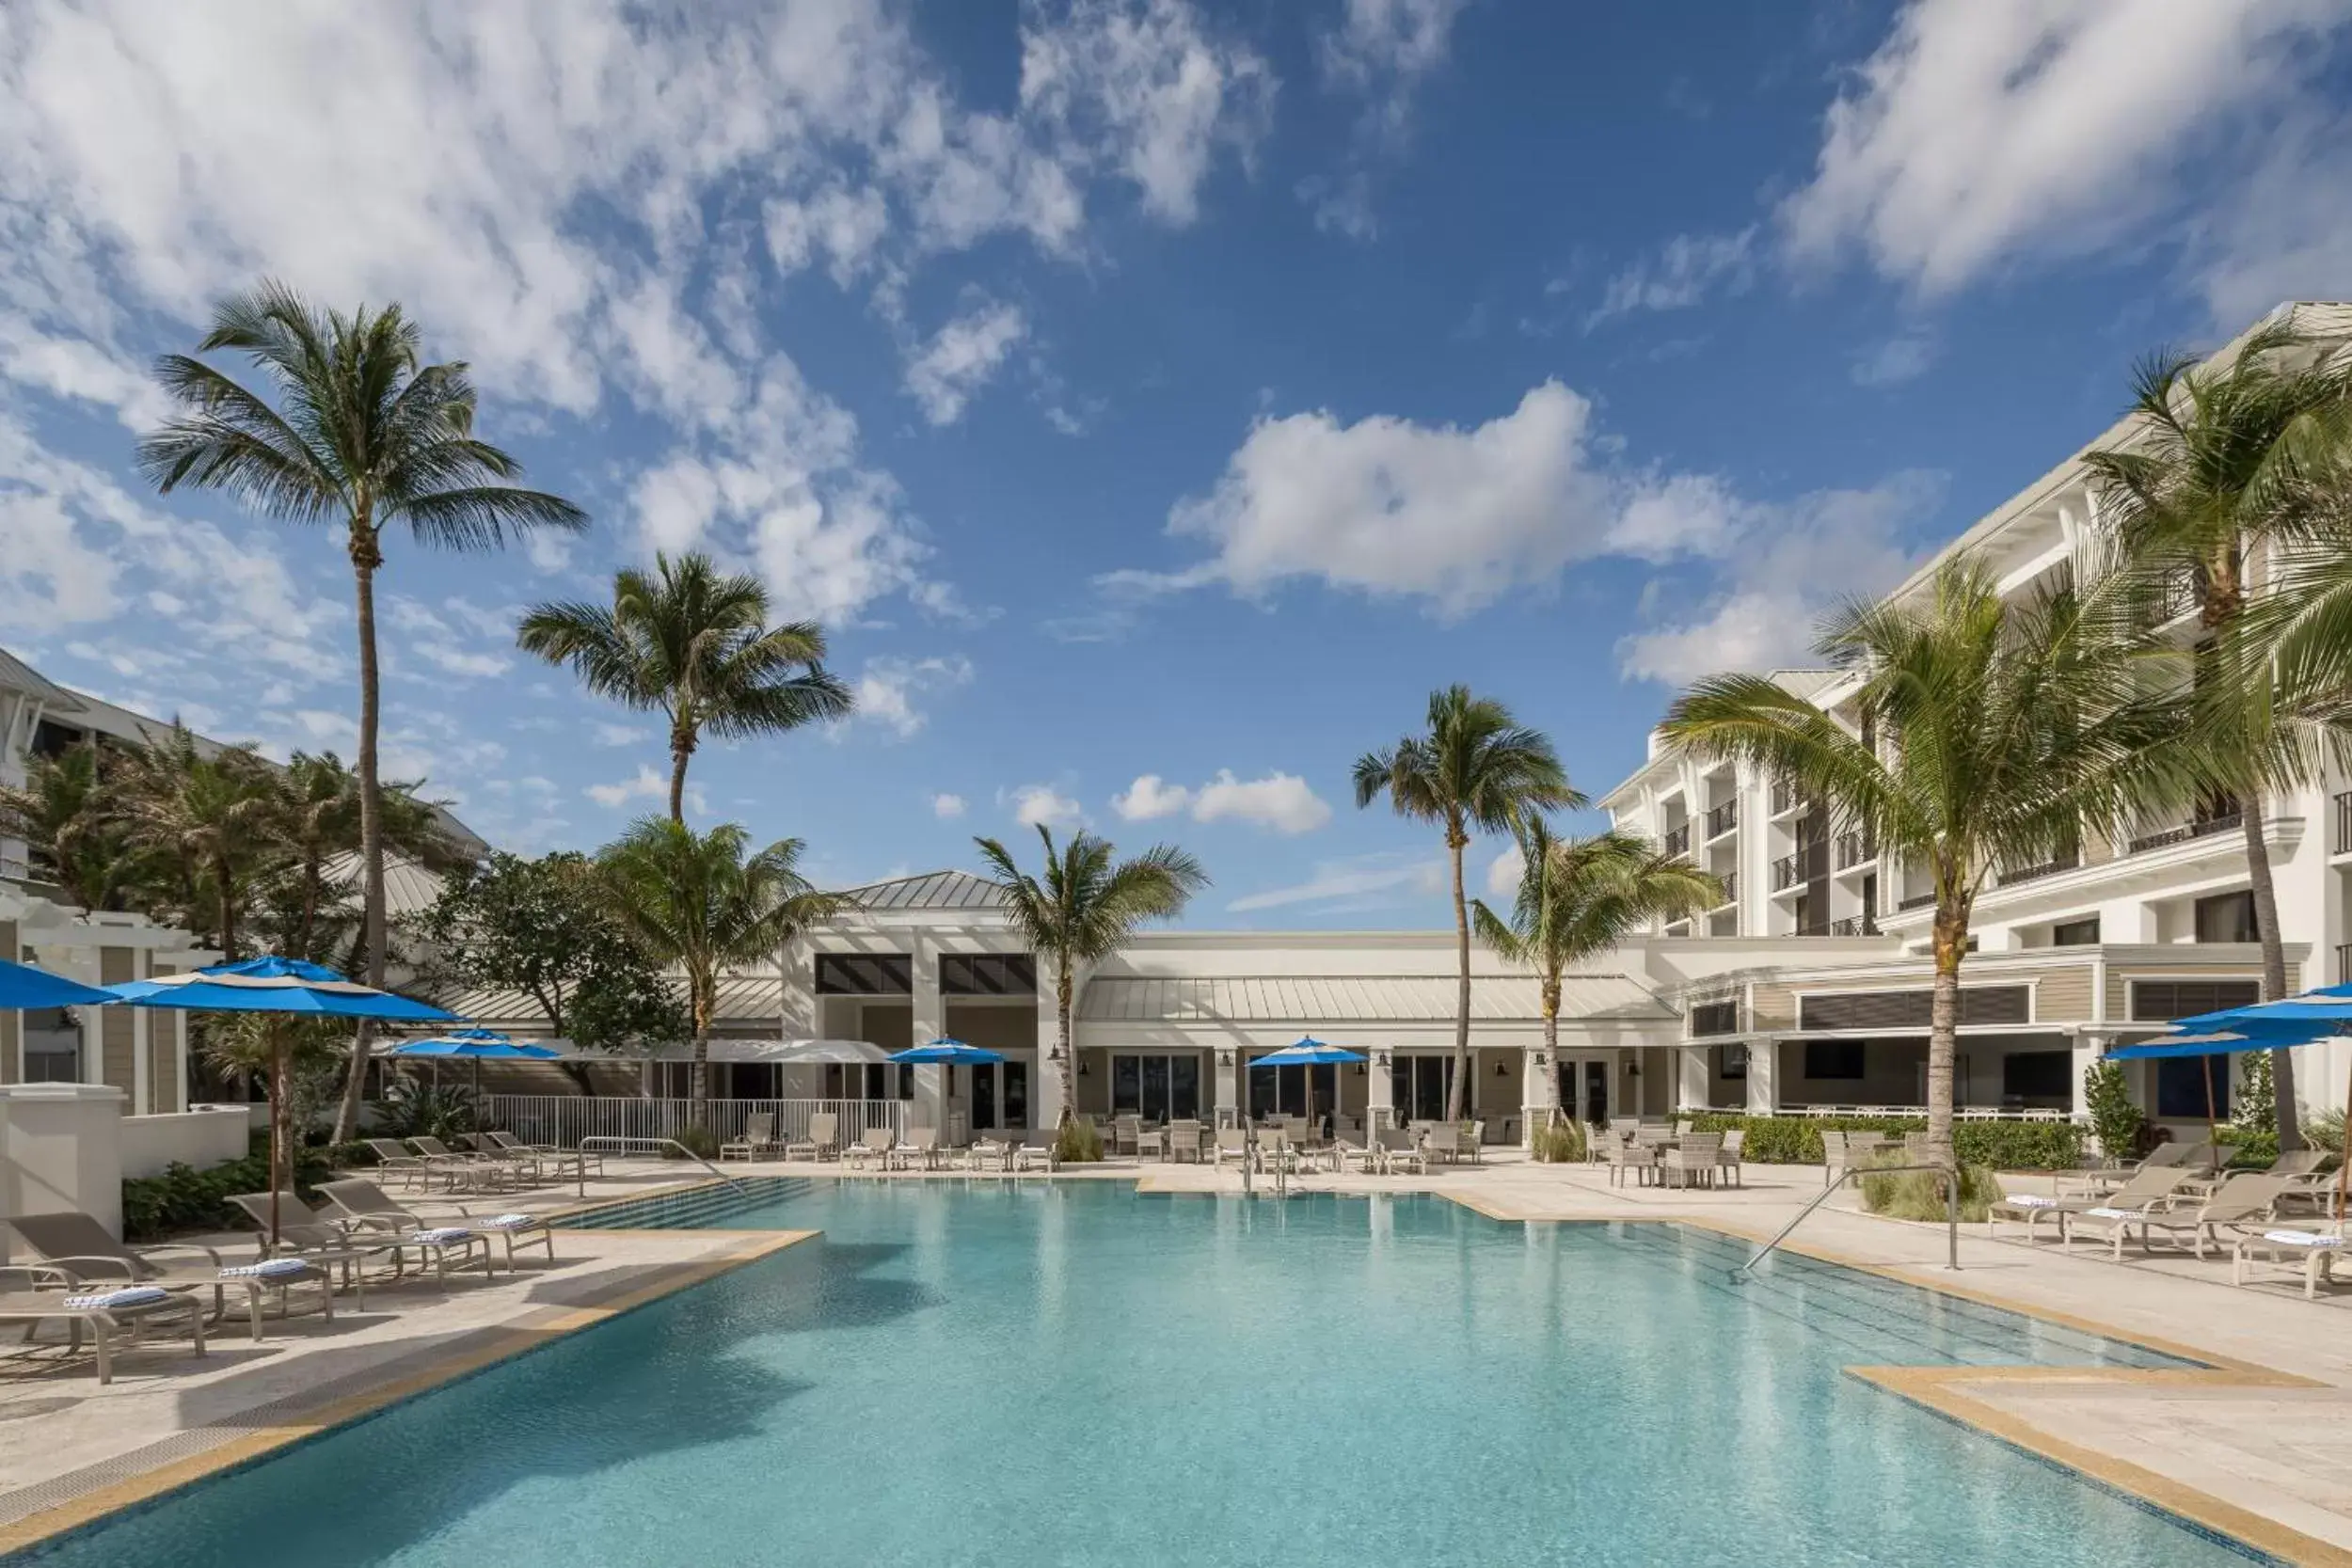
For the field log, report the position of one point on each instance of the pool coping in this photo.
(85, 1498)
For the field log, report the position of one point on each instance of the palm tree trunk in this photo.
(681, 749)
(1552, 1056)
(227, 913)
(365, 559)
(2274, 962)
(700, 1087)
(1951, 945)
(1457, 1093)
(279, 1157)
(1062, 987)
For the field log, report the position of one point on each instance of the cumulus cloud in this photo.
(947, 807)
(604, 732)
(1905, 356)
(418, 630)
(1043, 806)
(1793, 563)
(1149, 798)
(942, 374)
(1984, 131)
(1504, 871)
(1282, 801)
(1684, 272)
(646, 785)
(887, 690)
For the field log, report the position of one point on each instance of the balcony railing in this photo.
(1854, 926)
(1787, 872)
(2203, 827)
(1731, 889)
(1785, 798)
(1678, 840)
(2341, 843)
(2051, 867)
(1917, 901)
(1722, 820)
(1856, 846)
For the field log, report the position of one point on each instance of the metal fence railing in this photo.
(563, 1120)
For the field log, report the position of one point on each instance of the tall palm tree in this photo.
(696, 901)
(1579, 897)
(62, 812)
(364, 436)
(1988, 734)
(2217, 468)
(694, 644)
(1085, 907)
(1474, 768)
(208, 814)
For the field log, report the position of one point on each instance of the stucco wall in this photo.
(201, 1138)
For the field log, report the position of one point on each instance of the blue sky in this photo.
(1156, 397)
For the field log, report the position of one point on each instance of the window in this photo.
(987, 974)
(1897, 1009)
(984, 1096)
(1156, 1088)
(2162, 1001)
(1016, 1092)
(2039, 1078)
(2227, 917)
(52, 1046)
(1731, 1061)
(1714, 1017)
(865, 974)
(2075, 933)
(1418, 1087)
(2181, 1083)
(1834, 1059)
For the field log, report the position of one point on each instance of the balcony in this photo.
(1786, 798)
(2203, 827)
(1731, 890)
(2067, 861)
(1722, 820)
(1678, 841)
(1856, 846)
(2340, 842)
(1854, 926)
(1919, 901)
(1789, 871)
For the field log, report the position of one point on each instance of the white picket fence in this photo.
(564, 1119)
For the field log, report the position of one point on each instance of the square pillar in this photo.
(1695, 1077)
(1380, 1094)
(1763, 1077)
(61, 1149)
(1539, 1094)
(1057, 1080)
(927, 1021)
(1228, 1086)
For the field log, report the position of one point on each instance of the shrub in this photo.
(414, 1108)
(699, 1141)
(1078, 1143)
(2117, 1123)
(2324, 1129)
(1921, 1195)
(2001, 1144)
(2250, 1149)
(1562, 1143)
(184, 1198)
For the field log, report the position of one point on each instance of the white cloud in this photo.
(947, 807)
(1982, 130)
(605, 732)
(1143, 87)
(1383, 48)
(1684, 272)
(1149, 797)
(1280, 800)
(887, 690)
(944, 373)
(646, 785)
(843, 226)
(1788, 565)
(1360, 882)
(1043, 806)
(1905, 356)
(419, 629)
(1504, 871)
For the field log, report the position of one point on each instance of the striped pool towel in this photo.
(269, 1268)
(2312, 1239)
(442, 1235)
(511, 1221)
(129, 1295)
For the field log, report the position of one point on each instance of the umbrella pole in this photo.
(2344, 1149)
(276, 1125)
(2213, 1145)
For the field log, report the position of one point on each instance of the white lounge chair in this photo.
(81, 1248)
(2238, 1202)
(759, 1137)
(823, 1141)
(921, 1143)
(1039, 1146)
(104, 1312)
(370, 1211)
(2312, 1251)
(874, 1144)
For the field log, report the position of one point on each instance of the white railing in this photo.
(564, 1119)
(1960, 1113)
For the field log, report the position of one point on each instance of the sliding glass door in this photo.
(1419, 1085)
(1157, 1087)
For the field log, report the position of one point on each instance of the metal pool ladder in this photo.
(1951, 1196)
(620, 1146)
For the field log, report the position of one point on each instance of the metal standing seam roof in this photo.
(1356, 999)
(933, 890)
(741, 999)
(409, 887)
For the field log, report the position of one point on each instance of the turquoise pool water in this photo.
(1059, 1374)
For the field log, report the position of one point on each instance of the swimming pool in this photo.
(1064, 1373)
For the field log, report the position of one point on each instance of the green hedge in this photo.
(184, 1198)
(2000, 1145)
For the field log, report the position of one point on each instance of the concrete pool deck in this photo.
(2259, 1448)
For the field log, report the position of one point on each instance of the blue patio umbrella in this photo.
(946, 1053)
(477, 1046)
(273, 984)
(1307, 1050)
(21, 986)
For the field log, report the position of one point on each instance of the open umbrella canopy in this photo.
(275, 985)
(826, 1052)
(22, 986)
(947, 1052)
(2311, 1013)
(1307, 1051)
(481, 1045)
(2218, 1043)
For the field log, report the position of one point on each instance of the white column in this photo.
(142, 1092)
(928, 1009)
(1763, 1072)
(1539, 1092)
(1052, 1075)
(1228, 1105)
(1380, 1094)
(1696, 1077)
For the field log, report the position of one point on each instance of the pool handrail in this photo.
(619, 1143)
(1951, 1194)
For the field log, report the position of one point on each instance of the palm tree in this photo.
(207, 815)
(694, 900)
(315, 815)
(61, 812)
(1579, 897)
(1084, 908)
(695, 645)
(364, 434)
(1988, 734)
(2216, 466)
(1474, 768)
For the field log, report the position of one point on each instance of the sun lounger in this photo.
(2145, 1188)
(2313, 1251)
(823, 1141)
(465, 1168)
(370, 1211)
(759, 1137)
(1398, 1147)
(2239, 1202)
(76, 1244)
(1038, 1147)
(988, 1153)
(313, 1235)
(2031, 1208)
(104, 1312)
(577, 1161)
(921, 1143)
(393, 1159)
(874, 1144)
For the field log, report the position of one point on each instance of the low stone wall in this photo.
(202, 1138)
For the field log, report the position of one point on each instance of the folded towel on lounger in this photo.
(2302, 1238)
(2115, 1213)
(509, 1222)
(129, 1295)
(269, 1268)
(443, 1235)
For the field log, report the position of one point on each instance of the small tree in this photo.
(281, 1050)
(2108, 1097)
